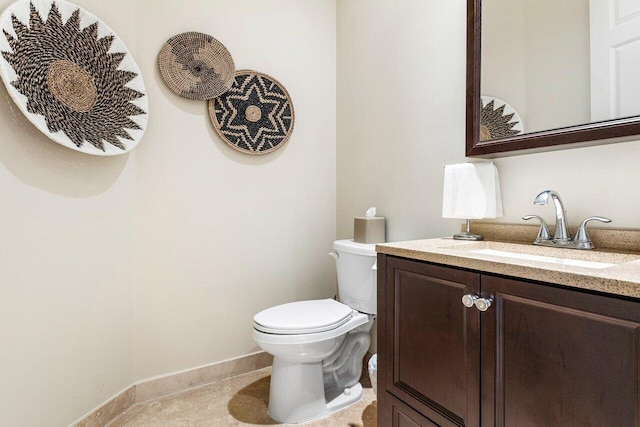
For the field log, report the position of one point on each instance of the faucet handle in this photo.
(582, 239)
(543, 232)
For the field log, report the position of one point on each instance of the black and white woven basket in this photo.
(72, 77)
(255, 116)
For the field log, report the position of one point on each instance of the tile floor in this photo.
(237, 401)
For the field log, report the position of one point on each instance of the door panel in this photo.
(434, 355)
(615, 58)
(395, 413)
(556, 357)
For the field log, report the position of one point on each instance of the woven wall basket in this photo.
(498, 119)
(72, 77)
(196, 66)
(255, 116)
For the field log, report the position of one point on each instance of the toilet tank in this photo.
(357, 275)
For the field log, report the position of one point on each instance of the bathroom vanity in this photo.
(557, 345)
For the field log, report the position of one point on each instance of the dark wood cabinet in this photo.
(430, 340)
(558, 357)
(541, 355)
(401, 415)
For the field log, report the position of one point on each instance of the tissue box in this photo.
(369, 230)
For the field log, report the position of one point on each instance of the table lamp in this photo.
(471, 191)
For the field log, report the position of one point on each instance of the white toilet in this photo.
(318, 345)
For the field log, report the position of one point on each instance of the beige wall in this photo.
(222, 235)
(401, 118)
(113, 270)
(66, 270)
(400, 111)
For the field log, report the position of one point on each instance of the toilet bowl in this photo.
(318, 346)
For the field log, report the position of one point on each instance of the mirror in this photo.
(545, 73)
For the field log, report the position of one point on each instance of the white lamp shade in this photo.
(471, 191)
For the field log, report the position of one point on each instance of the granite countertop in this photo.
(585, 269)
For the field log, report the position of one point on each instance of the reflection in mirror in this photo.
(498, 119)
(528, 62)
(548, 60)
(606, 110)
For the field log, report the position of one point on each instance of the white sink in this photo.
(541, 258)
(557, 256)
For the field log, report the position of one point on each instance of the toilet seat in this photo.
(264, 338)
(303, 317)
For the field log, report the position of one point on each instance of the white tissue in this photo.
(371, 212)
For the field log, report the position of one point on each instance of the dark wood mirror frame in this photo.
(588, 134)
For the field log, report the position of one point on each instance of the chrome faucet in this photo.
(561, 234)
(561, 237)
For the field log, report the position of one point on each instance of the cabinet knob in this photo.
(469, 300)
(483, 304)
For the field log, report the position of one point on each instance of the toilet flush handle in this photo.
(334, 255)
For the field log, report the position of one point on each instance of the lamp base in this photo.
(467, 236)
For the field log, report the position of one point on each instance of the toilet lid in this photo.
(303, 317)
(349, 246)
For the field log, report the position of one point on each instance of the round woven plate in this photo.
(255, 116)
(72, 77)
(498, 119)
(196, 66)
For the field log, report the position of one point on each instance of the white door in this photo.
(615, 59)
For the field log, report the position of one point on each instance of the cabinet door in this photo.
(397, 414)
(430, 341)
(558, 357)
